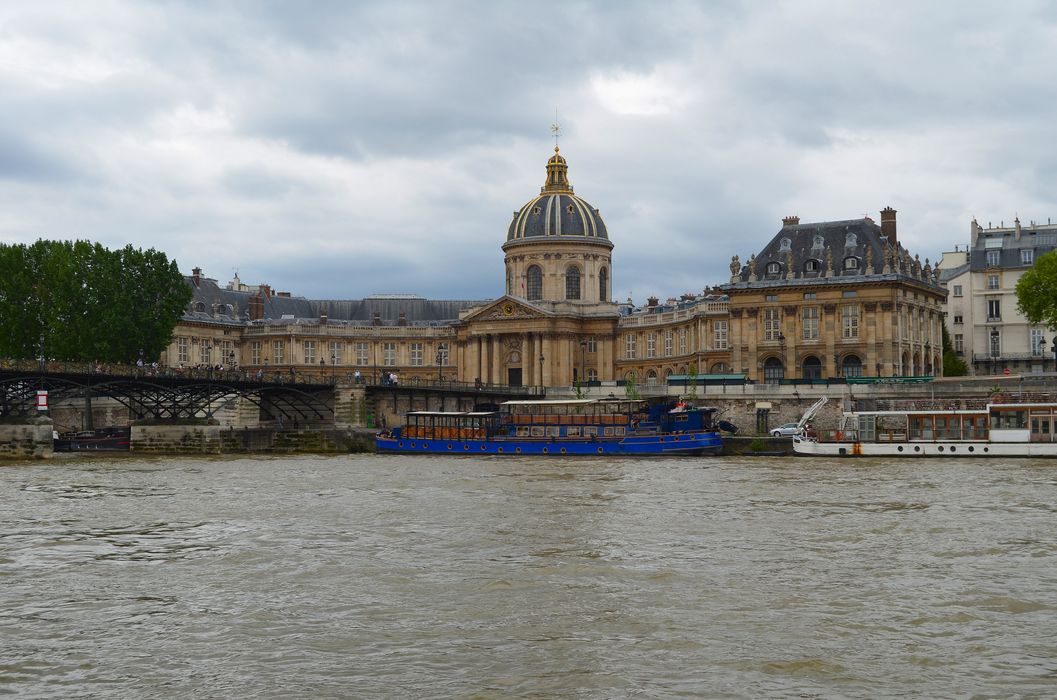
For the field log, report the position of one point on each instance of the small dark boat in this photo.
(110, 439)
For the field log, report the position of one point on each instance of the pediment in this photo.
(506, 308)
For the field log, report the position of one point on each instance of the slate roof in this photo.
(212, 303)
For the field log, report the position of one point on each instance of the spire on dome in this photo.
(557, 176)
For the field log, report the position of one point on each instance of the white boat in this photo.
(1007, 429)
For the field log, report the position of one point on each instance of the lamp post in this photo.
(583, 361)
(994, 349)
(1054, 354)
(322, 367)
(541, 372)
(207, 351)
(1042, 351)
(928, 359)
(440, 359)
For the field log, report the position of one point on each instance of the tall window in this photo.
(603, 285)
(534, 283)
(651, 345)
(993, 257)
(629, 346)
(572, 282)
(957, 290)
(810, 321)
(181, 350)
(389, 354)
(850, 321)
(278, 351)
(994, 309)
(719, 335)
(592, 345)
(416, 354)
(1036, 341)
(992, 281)
(335, 352)
(772, 327)
(959, 343)
(682, 341)
(310, 352)
(1027, 256)
(362, 354)
(669, 336)
(255, 352)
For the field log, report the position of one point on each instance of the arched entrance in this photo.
(773, 370)
(812, 368)
(851, 367)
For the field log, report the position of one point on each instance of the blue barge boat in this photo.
(556, 428)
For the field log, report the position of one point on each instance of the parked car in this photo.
(787, 429)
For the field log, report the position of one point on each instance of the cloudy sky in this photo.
(341, 149)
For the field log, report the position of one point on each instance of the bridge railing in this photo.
(383, 380)
(113, 369)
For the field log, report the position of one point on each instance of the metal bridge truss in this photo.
(168, 398)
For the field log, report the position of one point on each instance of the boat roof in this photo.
(568, 402)
(450, 413)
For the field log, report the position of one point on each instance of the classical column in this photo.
(497, 360)
(832, 329)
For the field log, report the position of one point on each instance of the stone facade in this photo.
(820, 300)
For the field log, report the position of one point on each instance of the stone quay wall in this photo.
(26, 441)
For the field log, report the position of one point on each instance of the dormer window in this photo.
(773, 268)
(851, 263)
(200, 307)
(811, 266)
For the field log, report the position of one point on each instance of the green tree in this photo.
(953, 366)
(630, 388)
(691, 378)
(1037, 292)
(78, 301)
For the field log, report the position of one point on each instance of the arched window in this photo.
(200, 307)
(773, 268)
(852, 366)
(603, 285)
(812, 368)
(651, 378)
(534, 283)
(572, 282)
(851, 263)
(720, 368)
(811, 265)
(773, 371)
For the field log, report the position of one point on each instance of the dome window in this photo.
(536, 210)
(534, 283)
(569, 209)
(572, 282)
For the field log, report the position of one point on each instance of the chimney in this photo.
(974, 233)
(1016, 229)
(256, 307)
(652, 302)
(790, 221)
(196, 275)
(322, 319)
(403, 319)
(266, 291)
(888, 226)
(377, 320)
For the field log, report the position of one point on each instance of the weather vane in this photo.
(556, 129)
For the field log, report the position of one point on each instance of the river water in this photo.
(435, 577)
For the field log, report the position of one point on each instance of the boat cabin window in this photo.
(1007, 419)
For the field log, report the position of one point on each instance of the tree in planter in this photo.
(630, 388)
(691, 377)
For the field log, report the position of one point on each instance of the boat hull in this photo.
(949, 448)
(637, 446)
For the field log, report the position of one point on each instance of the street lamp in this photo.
(541, 372)
(440, 359)
(1041, 347)
(583, 361)
(928, 359)
(994, 349)
(1055, 354)
(322, 367)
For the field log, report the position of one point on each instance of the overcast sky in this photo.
(342, 149)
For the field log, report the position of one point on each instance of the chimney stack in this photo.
(266, 290)
(1016, 229)
(790, 221)
(377, 320)
(974, 232)
(403, 319)
(652, 302)
(888, 226)
(322, 319)
(256, 307)
(196, 275)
